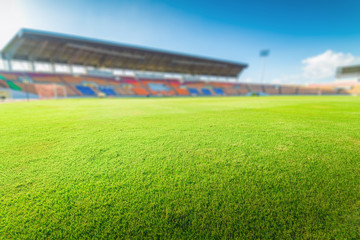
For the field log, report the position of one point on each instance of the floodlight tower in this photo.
(263, 54)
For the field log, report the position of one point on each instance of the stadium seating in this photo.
(9, 76)
(157, 87)
(230, 91)
(124, 91)
(72, 79)
(41, 78)
(355, 90)
(98, 81)
(328, 91)
(271, 89)
(27, 87)
(173, 82)
(86, 90)
(140, 91)
(242, 91)
(3, 84)
(193, 91)
(288, 90)
(206, 92)
(71, 91)
(107, 91)
(48, 91)
(218, 91)
(182, 91)
(137, 87)
(255, 88)
(177, 87)
(130, 86)
(13, 86)
(308, 91)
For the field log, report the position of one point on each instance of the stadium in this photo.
(105, 140)
(149, 72)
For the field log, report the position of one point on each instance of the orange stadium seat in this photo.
(182, 91)
(140, 91)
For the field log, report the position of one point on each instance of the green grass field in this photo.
(189, 168)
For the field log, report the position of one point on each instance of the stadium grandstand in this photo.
(40, 64)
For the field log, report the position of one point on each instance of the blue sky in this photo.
(308, 39)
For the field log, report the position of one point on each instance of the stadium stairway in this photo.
(172, 87)
(3, 84)
(147, 90)
(137, 87)
(178, 88)
(70, 89)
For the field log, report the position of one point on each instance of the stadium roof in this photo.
(32, 45)
(348, 71)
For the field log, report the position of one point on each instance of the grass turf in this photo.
(271, 167)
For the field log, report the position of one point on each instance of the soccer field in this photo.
(193, 168)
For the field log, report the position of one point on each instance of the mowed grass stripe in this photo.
(271, 167)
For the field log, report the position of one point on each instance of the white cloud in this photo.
(319, 68)
(324, 66)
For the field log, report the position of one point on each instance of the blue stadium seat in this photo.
(206, 91)
(193, 91)
(86, 90)
(157, 87)
(219, 91)
(108, 91)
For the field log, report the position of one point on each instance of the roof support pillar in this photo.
(52, 67)
(71, 69)
(9, 64)
(32, 66)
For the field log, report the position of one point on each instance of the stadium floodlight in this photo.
(263, 54)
